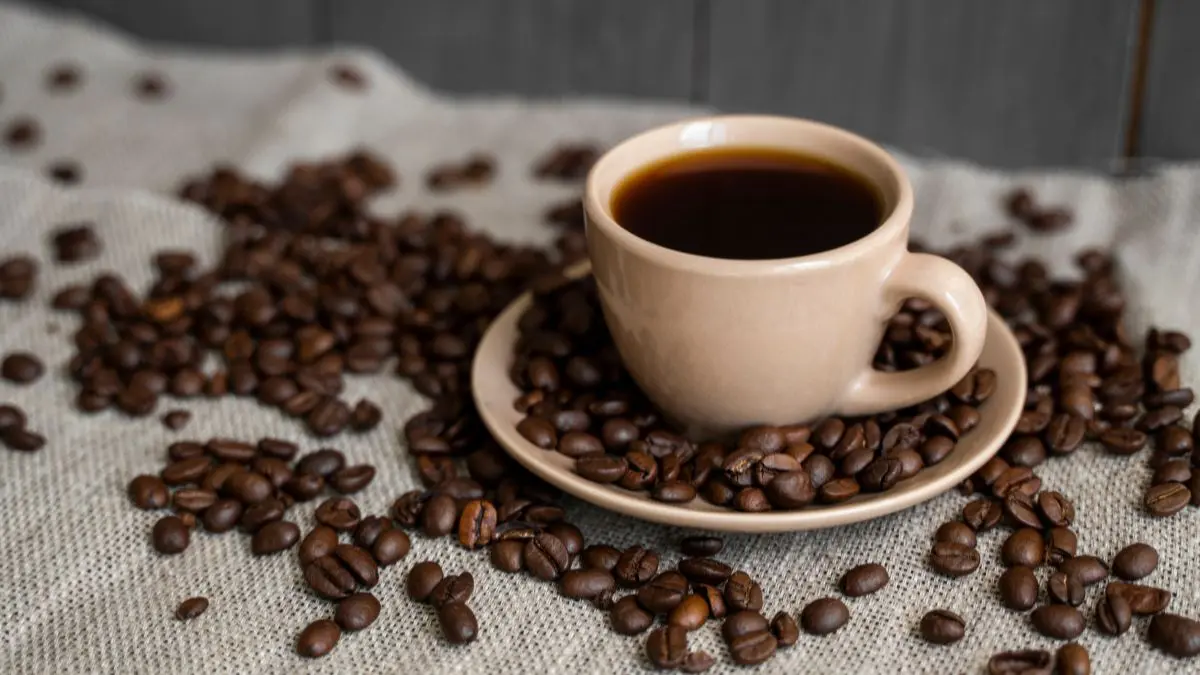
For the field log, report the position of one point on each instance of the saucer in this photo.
(495, 393)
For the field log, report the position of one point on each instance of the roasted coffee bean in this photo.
(864, 580)
(1061, 545)
(229, 450)
(507, 555)
(458, 623)
(666, 647)
(1064, 589)
(745, 622)
(1087, 568)
(1027, 451)
(838, 490)
(1122, 441)
(1018, 588)
(628, 618)
(1135, 562)
(953, 560)
(742, 592)
(1016, 479)
(248, 487)
(942, 627)
(586, 583)
(824, 616)
(148, 492)
(1142, 599)
(674, 492)
(601, 468)
(222, 516)
(1175, 440)
(785, 629)
(641, 471)
(186, 471)
(1113, 614)
(351, 479)
(539, 432)
(600, 556)
(422, 579)
(1061, 622)
(936, 449)
(357, 611)
(545, 557)
(705, 571)
(339, 513)
(320, 541)
(1024, 547)
(322, 462)
(1056, 510)
(1024, 662)
(170, 535)
(690, 614)
(193, 500)
(635, 567)
(191, 608)
(369, 529)
(662, 593)
(304, 486)
(1173, 471)
(1065, 433)
(1160, 418)
(697, 662)
(569, 535)
(1176, 635)
(982, 514)
(454, 588)
(956, 533)
(713, 597)
(21, 367)
(439, 516)
(1167, 499)
(1019, 511)
(752, 649)
(477, 524)
(390, 547)
(335, 576)
(790, 490)
(258, 515)
(318, 638)
(274, 537)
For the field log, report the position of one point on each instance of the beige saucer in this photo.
(495, 393)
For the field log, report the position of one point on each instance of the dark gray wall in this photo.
(1013, 83)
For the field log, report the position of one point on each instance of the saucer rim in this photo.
(494, 393)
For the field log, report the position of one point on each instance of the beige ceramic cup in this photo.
(722, 344)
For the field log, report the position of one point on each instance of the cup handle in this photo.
(952, 291)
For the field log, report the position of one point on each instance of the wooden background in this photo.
(1086, 83)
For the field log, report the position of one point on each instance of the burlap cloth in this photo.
(81, 590)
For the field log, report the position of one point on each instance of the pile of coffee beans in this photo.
(225, 483)
(15, 433)
(578, 400)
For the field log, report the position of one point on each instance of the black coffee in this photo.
(747, 203)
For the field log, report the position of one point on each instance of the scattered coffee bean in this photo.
(1113, 614)
(697, 662)
(170, 535)
(1087, 568)
(953, 560)
(453, 588)
(1135, 562)
(318, 639)
(1167, 499)
(1176, 635)
(942, 627)
(956, 533)
(335, 576)
(586, 583)
(701, 546)
(663, 593)
(422, 579)
(1024, 662)
(357, 611)
(75, 243)
(176, 419)
(1024, 547)
(705, 570)
(22, 133)
(439, 516)
(628, 618)
(545, 557)
(319, 542)
(666, 647)
(753, 648)
(635, 567)
(21, 368)
(1142, 599)
(274, 537)
(351, 479)
(458, 623)
(824, 616)
(191, 608)
(864, 580)
(1065, 589)
(1062, 622)
(689, 614)
(1018, 588)
(742, 592)
(785, 629)
(148, 492)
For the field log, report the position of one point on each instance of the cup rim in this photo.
(599, 210)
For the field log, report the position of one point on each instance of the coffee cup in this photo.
(721, 344)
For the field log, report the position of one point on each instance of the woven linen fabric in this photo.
(82, 591)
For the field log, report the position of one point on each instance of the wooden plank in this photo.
(1010, 83)
(535, 47)
(1172, 103)
(224, 23)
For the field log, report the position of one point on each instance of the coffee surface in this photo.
(747, 203)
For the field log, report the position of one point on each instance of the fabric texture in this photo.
(81, 590)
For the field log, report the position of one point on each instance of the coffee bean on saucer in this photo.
(318, 638)
(824, 616)
(1176, 635)
(864, 580)
(1135, 561)
(942, 627)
